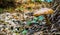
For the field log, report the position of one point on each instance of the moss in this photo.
(1, 10)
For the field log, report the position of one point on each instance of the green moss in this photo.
(1, 10)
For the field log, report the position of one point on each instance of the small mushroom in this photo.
(45, 12)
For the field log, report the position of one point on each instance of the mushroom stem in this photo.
(47, 20)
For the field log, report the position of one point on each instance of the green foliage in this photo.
(41, 18)
(28, 22)
(24, 32)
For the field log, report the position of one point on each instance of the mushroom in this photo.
(45, 12)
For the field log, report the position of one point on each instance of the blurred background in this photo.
(29, 17)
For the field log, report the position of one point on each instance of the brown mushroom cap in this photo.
(43, 11)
